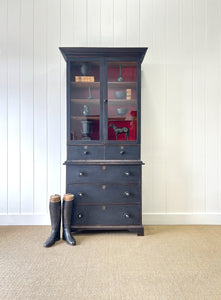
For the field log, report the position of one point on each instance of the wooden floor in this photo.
(169, 262)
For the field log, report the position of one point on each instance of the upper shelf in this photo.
(113, 85)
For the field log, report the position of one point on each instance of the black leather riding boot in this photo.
(55, 214)
(66, 218)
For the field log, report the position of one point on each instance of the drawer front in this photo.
(105, 193)
(93, 215)
(103, 173)
(85, 152)
(122, 152)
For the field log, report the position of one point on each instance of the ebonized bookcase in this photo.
(103, 166)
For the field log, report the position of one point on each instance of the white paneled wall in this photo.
(181, 101)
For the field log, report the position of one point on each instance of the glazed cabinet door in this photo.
(84, 101)
(122, 106)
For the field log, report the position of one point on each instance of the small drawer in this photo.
(105, 193)
(85, 152)
(103, 174)
(92, 215)
(122, 152)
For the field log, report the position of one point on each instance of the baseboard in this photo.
(27, 219)
(181, 218)
(148, 219)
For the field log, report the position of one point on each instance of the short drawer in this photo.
(103, 173)
(105, 193)
(85, 152)
(92, 215)
(122, 152)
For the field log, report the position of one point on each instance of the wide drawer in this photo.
(103, 173)
(121, 152)
(105, 193)
(91, 215)
(85, 152)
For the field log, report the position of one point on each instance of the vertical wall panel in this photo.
(53, 98)
(199, 82)
(154, 113)
(67, 39)
(14, 175)
(80, 23)
(26, 87)
(94, 23)
(120, 23)
(107, 26)
(3, 109)
(211, 104)
(40, 108)
(133, 22)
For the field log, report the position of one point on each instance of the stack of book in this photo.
(128, 94)
(84, 78)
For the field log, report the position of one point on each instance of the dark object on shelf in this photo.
(120, 78)
(86, 129)
(86, 110)
(85, 69)
(120, 94)
(119, 130)
(121, 111)
(90, 95)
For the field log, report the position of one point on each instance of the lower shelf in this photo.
(139, 229)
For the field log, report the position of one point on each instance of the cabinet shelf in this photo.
(112, 101)
(85, 118)
(117, 119)
(84, 101)
(122, 85)
(95, 84)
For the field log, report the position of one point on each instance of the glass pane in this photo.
(122, 101)
(85, 101)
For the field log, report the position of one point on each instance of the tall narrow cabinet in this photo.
(103, 166)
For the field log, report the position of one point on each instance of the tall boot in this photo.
(66, 218)
(55, 214)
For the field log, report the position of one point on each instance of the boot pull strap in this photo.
(55, 198)
(68, 197)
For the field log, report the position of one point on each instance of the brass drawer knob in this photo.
(127, 173)
(80, 194)
(127, 194)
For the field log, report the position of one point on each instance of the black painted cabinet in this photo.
(103, 166)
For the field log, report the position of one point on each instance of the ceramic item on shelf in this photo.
(90, 94)
(85, 69)
(121, 111)
(120, 78)
(120, 94)
(85, 110)
(86, 129)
